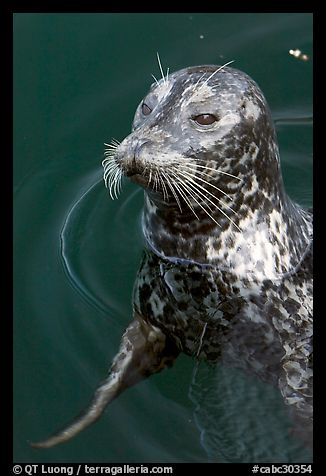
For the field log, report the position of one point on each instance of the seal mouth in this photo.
(130, 167)
(131, 172)
(138, 178)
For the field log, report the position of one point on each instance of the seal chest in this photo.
(227, 270)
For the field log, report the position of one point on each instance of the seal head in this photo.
(204, 148)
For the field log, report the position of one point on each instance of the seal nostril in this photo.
(139, 146)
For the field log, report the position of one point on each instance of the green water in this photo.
(77, 81)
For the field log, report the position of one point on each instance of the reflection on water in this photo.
(84, 256)
(241, 419)
(72, 237)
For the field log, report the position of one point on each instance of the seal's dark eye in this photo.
(146, 110)
(205, 119)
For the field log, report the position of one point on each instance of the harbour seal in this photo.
(227, 268)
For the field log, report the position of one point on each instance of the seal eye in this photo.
(146, 110)
(205, 119)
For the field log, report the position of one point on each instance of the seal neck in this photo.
(270, 243)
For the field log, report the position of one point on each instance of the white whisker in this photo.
(181, 180)
(193, 194)
(191, 178)
(110, 166)
(199, 80)
(150, 176)
(165, 192)
(109, 152)
(109, 155)
(169, 183)
(112, 174)
(160, 65)
(194, 165)
(183, 195)
(113, 180)
(115, 184)
(215, 72)
(192, 174)
(156, 81)
(194, 186)
(156, 180)
(194, 177)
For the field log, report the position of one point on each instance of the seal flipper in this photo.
(144, 350)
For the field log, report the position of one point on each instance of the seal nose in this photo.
(135, 165)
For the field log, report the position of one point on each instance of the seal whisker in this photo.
(155, 79)
(119, 186)
(191, 183)
(109, 169)
(109, 162)
(147, 166)
(201, 340)
(210, 168)
(150, 176)
(156, 180)
(216, 71)
(112, 146)
(112, 176)
(109, 186)
(109, 174)
(199, 80)
(109, 157)
(193, 194)
(108, 154)
(181, 180)
(106, 161)
(197, 193)
(110, 166)
(169, 182)
(110, 151)
(114, 180)
(118, 183)
(165, 192)
(183, 195)
(105, 178)
(203, 180)
(161, 69)
(192, 177)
